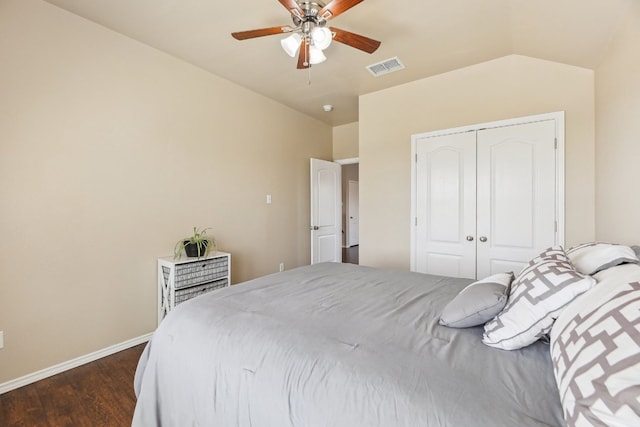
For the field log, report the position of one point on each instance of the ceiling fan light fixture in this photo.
(291, 44)
(316, 56)
(310, 36)
(321, 37)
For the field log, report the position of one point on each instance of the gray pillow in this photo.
(636, 249)
(478, 303)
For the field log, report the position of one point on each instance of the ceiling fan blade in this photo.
(355, 40)
(303, 57)
(244, 35)
(293, 7)
(336, 7)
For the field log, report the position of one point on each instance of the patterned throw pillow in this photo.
(478, 302)
(595, 348)
(538, 295)
(589, 258)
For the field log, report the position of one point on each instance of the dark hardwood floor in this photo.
(99, 393)
(351, 255)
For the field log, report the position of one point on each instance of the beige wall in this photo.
(345, 141)
(508, 87)
(110, 152)
(618, 136)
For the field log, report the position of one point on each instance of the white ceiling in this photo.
(429, 36)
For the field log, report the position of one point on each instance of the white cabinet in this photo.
(182, 279)
(486, 199)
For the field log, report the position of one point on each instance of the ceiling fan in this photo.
(309, 33)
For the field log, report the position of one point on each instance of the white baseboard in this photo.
(74, 363)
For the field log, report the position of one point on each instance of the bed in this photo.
(338, 345)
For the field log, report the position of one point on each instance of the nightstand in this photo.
(182, 279)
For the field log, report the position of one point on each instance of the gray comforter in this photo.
(336, 345)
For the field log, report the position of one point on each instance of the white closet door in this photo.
(516, 184)
(445, 205)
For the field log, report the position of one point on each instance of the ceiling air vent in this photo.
(385, 67)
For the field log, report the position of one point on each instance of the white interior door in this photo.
(353, 213)
(446, 205)
(326, 212)
(516, 184)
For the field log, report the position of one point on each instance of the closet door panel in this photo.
(445, 197)
(516, 185)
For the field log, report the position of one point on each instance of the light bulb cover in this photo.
(316, 56)
(291, 44)
(321, 37)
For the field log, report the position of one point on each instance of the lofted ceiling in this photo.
(429, 36)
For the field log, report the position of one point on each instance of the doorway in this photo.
(350, 211)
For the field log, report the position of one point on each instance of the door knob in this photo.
(470, 238)
(314, 227)
(483, 239)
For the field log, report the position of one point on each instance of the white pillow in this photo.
(537, 296)
(595, 349)
(589, 258)
(478, 302)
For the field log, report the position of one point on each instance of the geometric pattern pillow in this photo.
(537, 296)
(595, 349)
(589, 258)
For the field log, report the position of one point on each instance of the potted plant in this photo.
(198, 245)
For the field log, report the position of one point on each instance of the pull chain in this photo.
(307, 59)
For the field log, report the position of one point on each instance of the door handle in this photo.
(314, 227)
(483, 239)
(469, 238)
